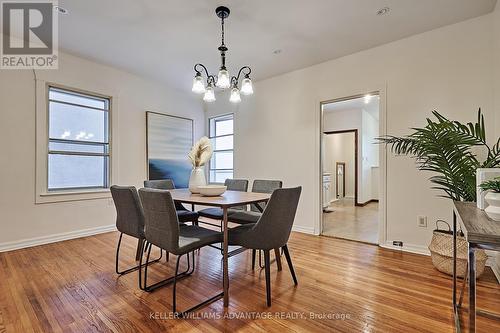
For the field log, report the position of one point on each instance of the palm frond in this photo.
(445, 147)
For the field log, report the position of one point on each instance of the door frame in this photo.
(355, 131)
(379, 89)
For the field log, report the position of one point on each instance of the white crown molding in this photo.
(24, 243)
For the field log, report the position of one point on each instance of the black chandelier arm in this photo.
(199, 71)
(235, 79)
(210, 78)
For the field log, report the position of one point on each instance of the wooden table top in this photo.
(226, 200)
(479, 228)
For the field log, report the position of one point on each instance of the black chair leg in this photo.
(166, 281)
(143, 245)
(174, 294)
(289, 261)
(267, 264)
(253, 258)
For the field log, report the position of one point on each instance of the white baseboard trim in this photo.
(418, 249)
(24, 243)
(304, 230)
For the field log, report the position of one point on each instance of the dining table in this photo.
(225, 201)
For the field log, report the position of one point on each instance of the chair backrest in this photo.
(240, 185)
(161, 226)
(129, 213)
(264, 186)
(161, 184)
(236, 185)
(273, 228)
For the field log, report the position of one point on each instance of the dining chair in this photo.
(216, 213)
(129, 220)
(255, 212)
(253, 215)
(183, 214)
(271, 231)
(162, 229)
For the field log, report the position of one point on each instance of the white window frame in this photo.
(43, 195)
(227, 115)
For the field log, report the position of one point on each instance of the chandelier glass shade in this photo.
(205, 85)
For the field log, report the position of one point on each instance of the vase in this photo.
(493, 209)
(196, 179)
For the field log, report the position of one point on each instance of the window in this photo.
(221, 134)
(78, 145)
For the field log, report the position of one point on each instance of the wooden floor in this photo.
(347, 287)
(347, 221)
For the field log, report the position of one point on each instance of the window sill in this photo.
(73, 195)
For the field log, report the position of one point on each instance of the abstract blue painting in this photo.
(169, 140)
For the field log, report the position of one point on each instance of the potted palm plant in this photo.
(450, 150)
(492, 198)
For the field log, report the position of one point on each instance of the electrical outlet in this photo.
(422, 221)
(397, 243)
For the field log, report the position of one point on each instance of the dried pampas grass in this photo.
(201, 152)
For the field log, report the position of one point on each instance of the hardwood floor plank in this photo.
(343, 286)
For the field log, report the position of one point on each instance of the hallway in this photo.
(350, 222)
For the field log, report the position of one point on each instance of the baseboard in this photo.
(418, 249)
(24, 243)
(304, 230)
(366, 203)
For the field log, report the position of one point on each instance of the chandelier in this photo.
(223, 80)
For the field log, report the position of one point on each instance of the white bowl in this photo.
(212, 190)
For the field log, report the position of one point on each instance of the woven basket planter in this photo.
(441, 248)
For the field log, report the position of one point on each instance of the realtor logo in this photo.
(29, 38)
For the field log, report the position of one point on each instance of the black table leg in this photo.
(472, 289)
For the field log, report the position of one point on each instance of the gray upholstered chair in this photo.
(253, 215)
(215, 213)
(183, 214)
(163, 229)
(271, 231)
(129, 219)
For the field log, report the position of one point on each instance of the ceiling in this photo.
(164, 39)
(369, 104)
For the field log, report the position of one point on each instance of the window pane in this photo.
(75, 147)
(223, 127)
(222, 160)
(58, 95)
(223, 143)
(73, 171)
(220, 176)
(77, 123)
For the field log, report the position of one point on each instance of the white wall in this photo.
(370, 156)
(367, 127)
(339, 147)
(448, 69)
(496, 16)
(21, 218)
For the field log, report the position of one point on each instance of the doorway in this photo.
(350, 168)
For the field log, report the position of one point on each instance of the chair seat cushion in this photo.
(216, 213)
(192, 237)
(187, 216)
(211, 213)
(244, 217)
